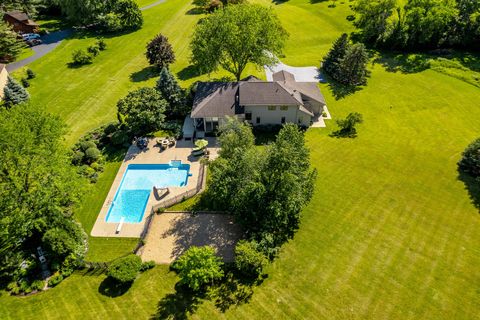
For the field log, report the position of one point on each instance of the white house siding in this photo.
(273, 116)
(3, 80)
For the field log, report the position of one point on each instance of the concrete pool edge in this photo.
(152, 155)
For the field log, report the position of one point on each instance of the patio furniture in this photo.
(160, 192)
(171, 142)
(196, 152)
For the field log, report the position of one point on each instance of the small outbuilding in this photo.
(20, 22)
(3, 78)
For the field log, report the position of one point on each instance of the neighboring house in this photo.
(20, 22)
(258, 102)
(3, 79)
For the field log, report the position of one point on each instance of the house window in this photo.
(284, 108)
(283, 120)
(272, 108)
(248, 116)
(258, 120)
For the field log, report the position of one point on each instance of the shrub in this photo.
(30, 74)
(111, 22)
(56, 279)
(81, 57)
(347, 125)
(84, 145)
(37, 285)
(93, 50)
(248, 259)
(25, 83)
(92, 154)
(14, 93)
(102, 45)
(198, 266)
(470, 162)
(120, 138)
(147, 265)
(13, 288)
(125, 269)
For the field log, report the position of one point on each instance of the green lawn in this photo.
(391, 232)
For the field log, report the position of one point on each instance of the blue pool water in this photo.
(137, 183)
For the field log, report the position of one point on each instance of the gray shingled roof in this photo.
(265, 93)
(283, 76)
(219, 99)
(214, 99)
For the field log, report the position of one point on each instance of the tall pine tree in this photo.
(14, 93)
(337, 52)
(10, 46)
(168, 86)
(352, 68)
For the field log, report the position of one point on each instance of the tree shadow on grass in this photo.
(472, 185)
(195, 11)
(404, 62)
(111, 288)
(178, 305)
(343, 134)
(189, 72)
(144, 74)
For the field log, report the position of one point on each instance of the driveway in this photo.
(302, 74)
(49, 42)
(52, 40)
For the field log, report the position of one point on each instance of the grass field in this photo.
(391, 232)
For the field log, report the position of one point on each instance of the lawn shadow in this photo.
(472, 185)
(188, 72)
(178, 305)
(233, 291)
(278, 2)
(144, 74)
(403, 62)
(339, 90)
(195, 11)
(343, 134)
(111, 288)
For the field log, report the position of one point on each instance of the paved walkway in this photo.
(52, 40)
(170, 234)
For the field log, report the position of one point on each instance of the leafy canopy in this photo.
(125, 269)
(238, 35)
(142, 110)
(38, 190)
(160, 52)
(198, 266)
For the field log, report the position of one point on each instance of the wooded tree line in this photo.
(419, 24)
(38, 191)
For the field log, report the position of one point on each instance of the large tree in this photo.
(38, 190)
(264, 188)
(352, 67)
(373, 17)
(160, 52)
(142, 110)
(238, 35)
(337, 52)
(10, 46)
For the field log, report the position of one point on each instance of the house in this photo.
(256, 101)
(3, 78)
(20, 22)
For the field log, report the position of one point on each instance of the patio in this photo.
(150, 155)
(171, 233)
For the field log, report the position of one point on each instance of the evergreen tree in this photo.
(168, 86)
(10, 46)
(331, 60)
(14, 93)
(352, 68)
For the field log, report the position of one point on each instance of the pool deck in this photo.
(151, 155)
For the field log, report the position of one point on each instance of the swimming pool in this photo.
(138, 180)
